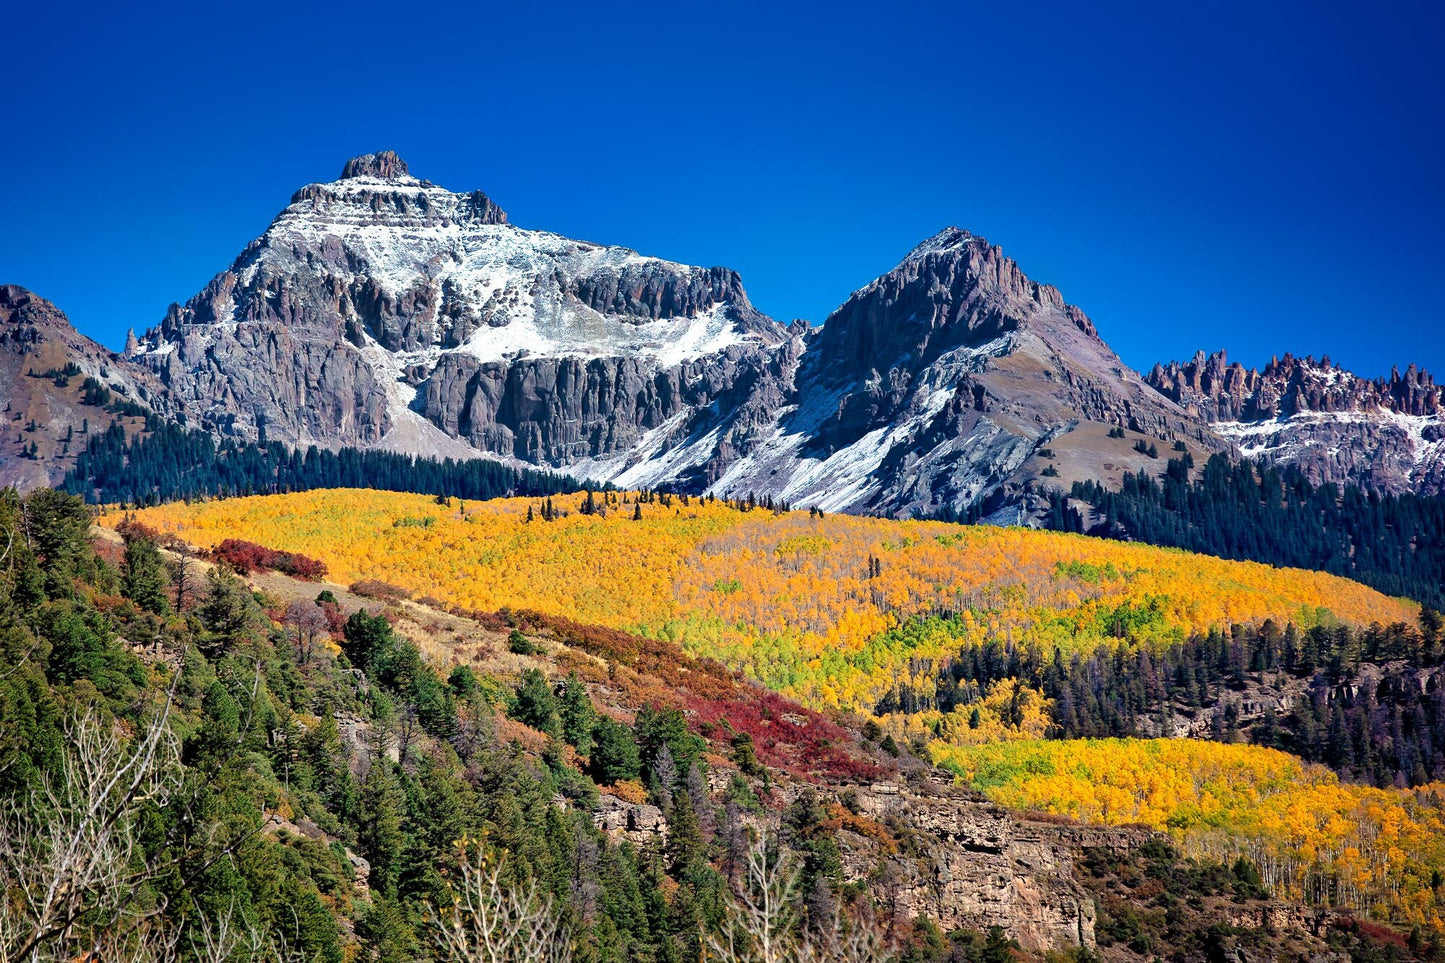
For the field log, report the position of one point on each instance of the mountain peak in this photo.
(947, 240)
(23, 306)
(383, 165)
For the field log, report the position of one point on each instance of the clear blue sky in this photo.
(1257, 177)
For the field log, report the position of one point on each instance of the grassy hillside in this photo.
(806, 604)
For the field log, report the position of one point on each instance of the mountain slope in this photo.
(803, 603)
(1386, 433)
(56, 386)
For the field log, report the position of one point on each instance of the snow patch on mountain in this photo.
(586, 334)
(1288, 438)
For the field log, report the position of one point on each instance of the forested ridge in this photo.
(167, 462)
(1246, 511)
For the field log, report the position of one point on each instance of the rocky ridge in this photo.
(1382, 433)
(951, 381)
(48, 413)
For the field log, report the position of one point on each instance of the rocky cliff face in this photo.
(978, 865)
(1384, 433)
(49, 412)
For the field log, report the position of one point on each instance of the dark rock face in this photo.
(384, 165)
(48, 417)
(1382, 433)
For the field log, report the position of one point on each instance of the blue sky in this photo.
(1257, 177)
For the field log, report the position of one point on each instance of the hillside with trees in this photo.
(1275, 515)
(212, 765)
(807, 603)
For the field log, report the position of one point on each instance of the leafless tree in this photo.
(305, 623)
(73, 872)
(492, 920)
(761, 921)
(665, 769)
(180, 566)
(69, 847)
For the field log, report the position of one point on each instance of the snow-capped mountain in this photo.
(1386, 433)
(951, 381)
(382, 310)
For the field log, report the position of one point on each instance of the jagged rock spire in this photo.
(383, 164)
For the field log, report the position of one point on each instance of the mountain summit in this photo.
(951, 381)
(385, 166)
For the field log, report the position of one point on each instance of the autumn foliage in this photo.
(808, 605)
(247, 557)
(1370, 851)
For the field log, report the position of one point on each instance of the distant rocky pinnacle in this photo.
(385, 165)
(1383, 433)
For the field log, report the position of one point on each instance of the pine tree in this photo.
(614, 752)
(577, 714)
(143, 575)
(534, 705)
(379, 829)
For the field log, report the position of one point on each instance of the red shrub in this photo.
(717, 701)
(373, 588)
(247, 557)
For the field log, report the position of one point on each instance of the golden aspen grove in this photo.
(788, 598)
(1314, 838)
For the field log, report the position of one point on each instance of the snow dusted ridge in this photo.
(503, 273)
(380, 310)
(1341, 438)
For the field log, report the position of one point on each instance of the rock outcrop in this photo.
(978, 865)
(1385, 433)
(966, 862)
